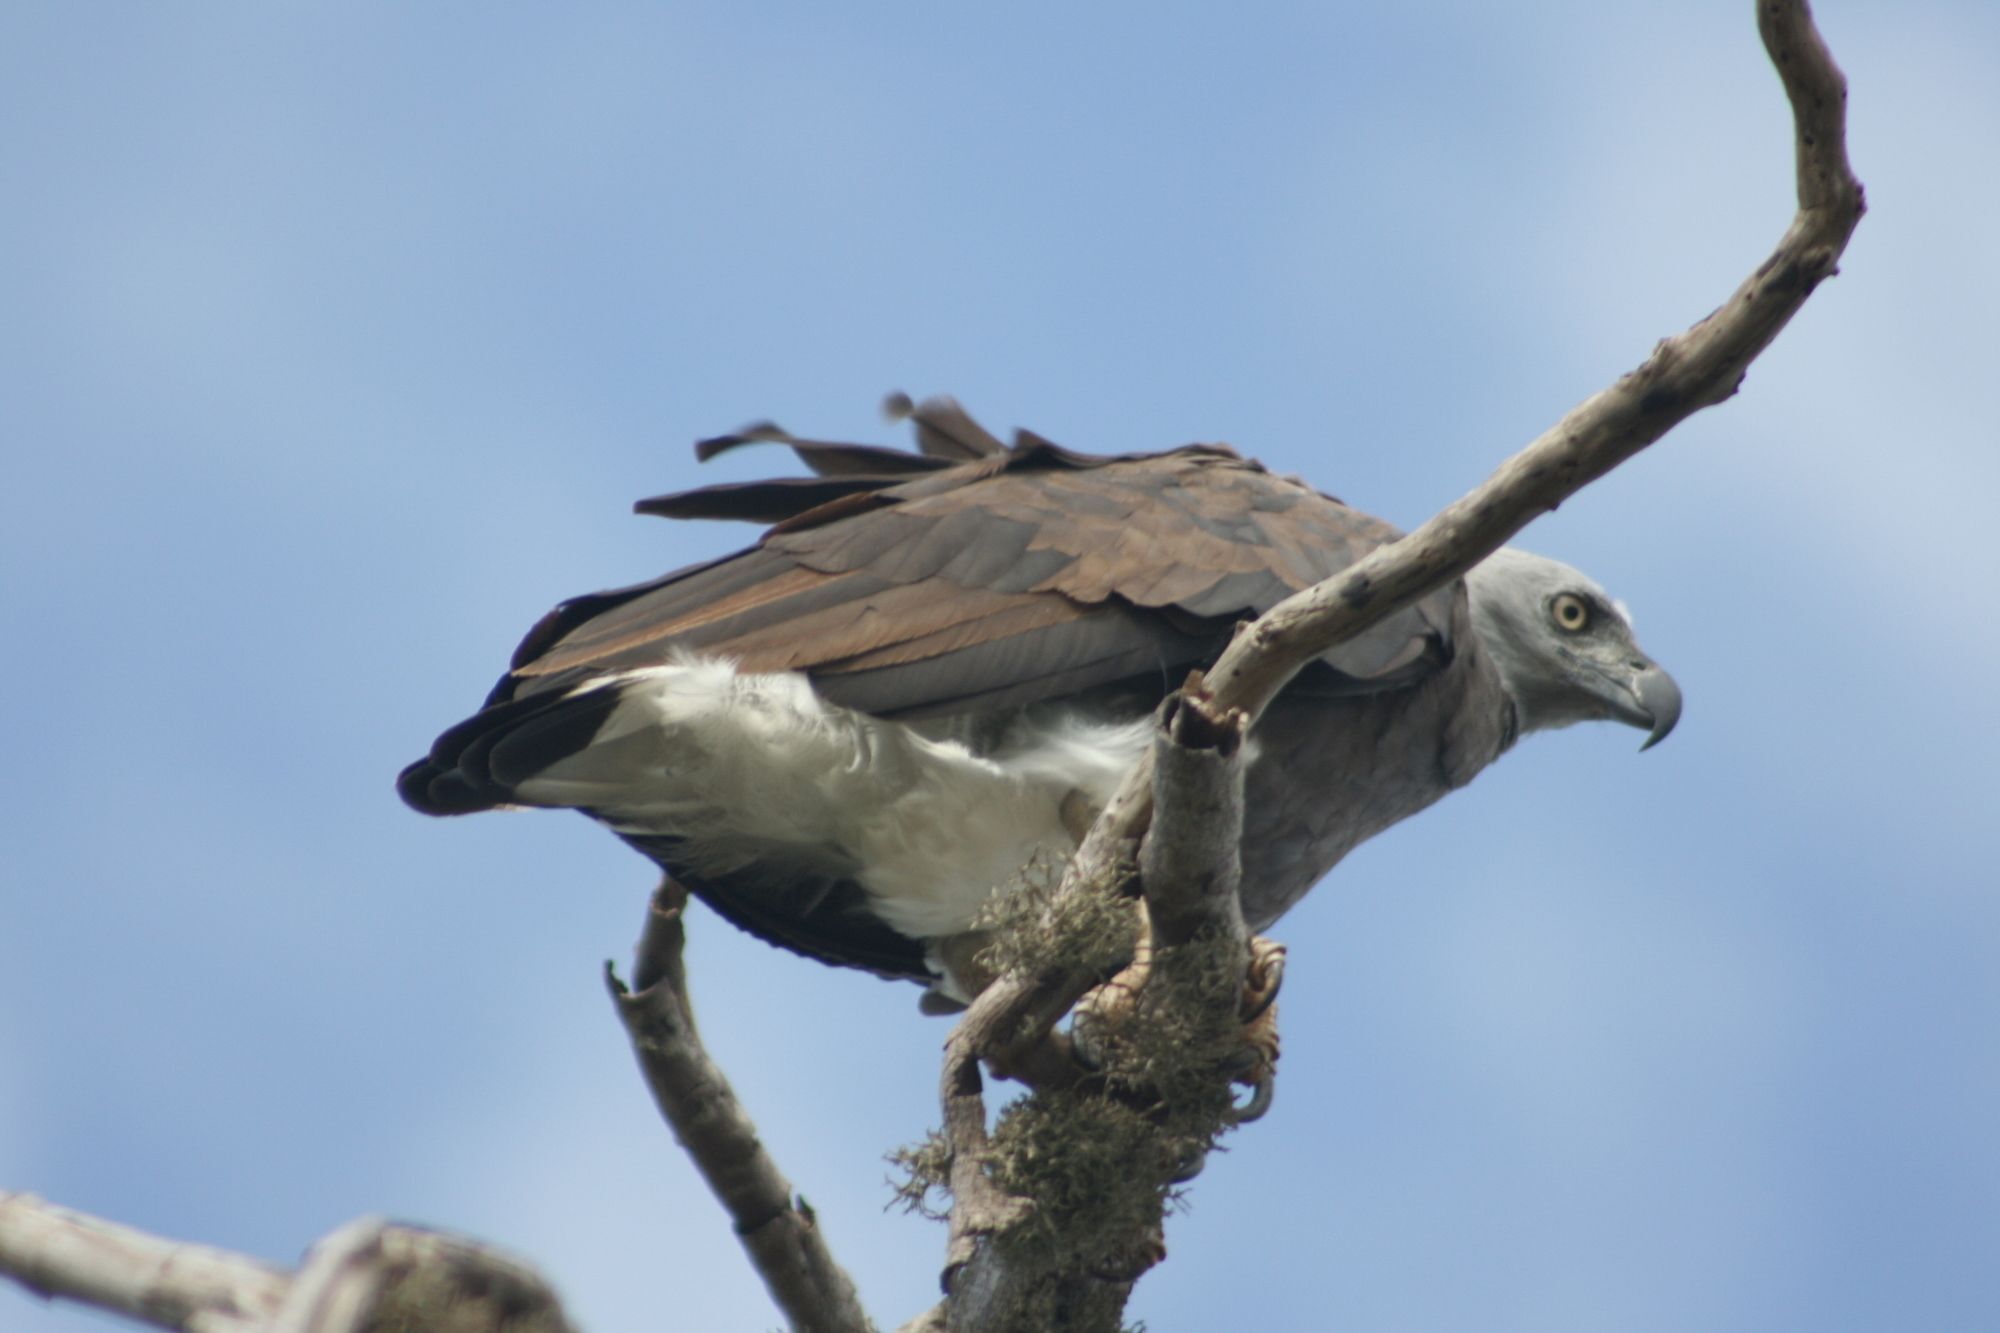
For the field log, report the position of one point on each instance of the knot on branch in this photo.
(386, 1278)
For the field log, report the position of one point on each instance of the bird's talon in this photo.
(1262, 1092)
(1262, 978)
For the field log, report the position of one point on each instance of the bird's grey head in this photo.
(1565, 649)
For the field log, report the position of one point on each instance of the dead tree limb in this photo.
(369, 1275)
(1082, 1173)
(56, 1252)
(1697, 368)
(778, 1230)
(1190, 863)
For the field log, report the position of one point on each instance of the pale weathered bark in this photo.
(59, 1253)
(779, 1232)
(1191, 864)
(370, 1276)
(1087, 1183)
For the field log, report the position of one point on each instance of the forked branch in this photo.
(1697, 368)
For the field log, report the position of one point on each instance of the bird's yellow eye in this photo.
(1572, 613)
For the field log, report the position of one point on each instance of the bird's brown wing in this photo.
(966, 576)
(1007, 578)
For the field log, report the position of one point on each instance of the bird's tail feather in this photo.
(477, 764)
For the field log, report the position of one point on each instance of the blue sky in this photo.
(337, 339)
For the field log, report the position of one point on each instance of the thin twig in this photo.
(779, 1231)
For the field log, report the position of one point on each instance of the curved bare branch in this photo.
(1700, 367)
(778, 1230)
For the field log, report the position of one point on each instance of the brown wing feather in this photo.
(1004, 578)
(895, 619)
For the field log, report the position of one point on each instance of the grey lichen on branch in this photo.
(1061, 1207)
(375, 1276)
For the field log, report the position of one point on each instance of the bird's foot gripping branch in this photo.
(1060, 1208)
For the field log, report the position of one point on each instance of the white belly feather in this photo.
(758, 771)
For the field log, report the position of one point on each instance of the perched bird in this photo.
(934, 667)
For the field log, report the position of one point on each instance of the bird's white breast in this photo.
(759, 773)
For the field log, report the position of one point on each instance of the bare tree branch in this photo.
(57, 1252)
(1067, 1209)
(370, 1276)
(1191, 861)
(779, 1232)
(376, 1276)
(1698, 368)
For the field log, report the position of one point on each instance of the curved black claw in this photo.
(1263, 1091)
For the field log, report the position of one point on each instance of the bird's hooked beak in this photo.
(1660, 700)
(1634, 691)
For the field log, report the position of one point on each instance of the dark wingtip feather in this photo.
(757, 432)
(476, 764)
(431, 789)
(946, 430)
(828, 458)
(758, 501)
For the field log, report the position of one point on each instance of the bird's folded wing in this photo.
(963, 578)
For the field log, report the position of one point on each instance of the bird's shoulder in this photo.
(973, 573)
